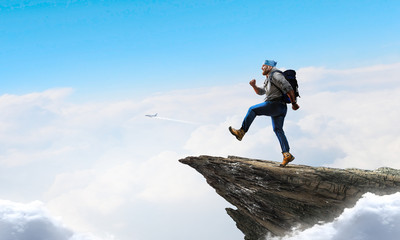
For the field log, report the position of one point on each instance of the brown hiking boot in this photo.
(287, 158)
(237, 133)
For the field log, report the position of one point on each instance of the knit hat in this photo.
(271, 63)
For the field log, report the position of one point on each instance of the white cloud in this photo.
(373, 217)
(164, 179)
(359, 125)
(32, 222)
(158, 179)
(368, 78)
(116, 163)
(102, 192)
(215, 139)
(97, 161)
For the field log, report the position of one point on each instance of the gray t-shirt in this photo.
(270, 90)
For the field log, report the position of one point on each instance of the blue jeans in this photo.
(277, 112)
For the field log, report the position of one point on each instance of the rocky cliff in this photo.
(272, 199)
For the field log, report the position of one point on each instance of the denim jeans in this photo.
(277, 111)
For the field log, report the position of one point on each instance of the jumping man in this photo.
(274, 106)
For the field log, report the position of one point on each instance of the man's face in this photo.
(265, 69)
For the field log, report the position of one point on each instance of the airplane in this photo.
(151, 115)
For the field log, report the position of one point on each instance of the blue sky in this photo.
(78, 77)
(124, 48)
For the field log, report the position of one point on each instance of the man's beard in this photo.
(265, 73)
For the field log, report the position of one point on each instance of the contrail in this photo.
(176, 120)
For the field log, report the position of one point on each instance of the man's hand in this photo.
(295, 106)
(252, 83)
(292, 97)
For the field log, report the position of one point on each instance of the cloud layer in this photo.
(104, 166)
(32, 222)
(373, 217)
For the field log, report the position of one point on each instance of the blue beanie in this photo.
(271, 63)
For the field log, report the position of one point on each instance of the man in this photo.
(274, 106)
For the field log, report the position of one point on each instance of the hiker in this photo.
(275, 88)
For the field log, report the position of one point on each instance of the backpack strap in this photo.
(284, 97)
(272, 73)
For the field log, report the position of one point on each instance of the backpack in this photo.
(290, 76)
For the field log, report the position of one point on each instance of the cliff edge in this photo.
(272, 199)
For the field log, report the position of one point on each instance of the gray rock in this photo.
(272, 199)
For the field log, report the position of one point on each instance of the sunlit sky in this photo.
(78, 77)
(110, 48)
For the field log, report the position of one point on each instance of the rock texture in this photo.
(271, 199)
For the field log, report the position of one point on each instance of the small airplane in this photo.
(151, 115)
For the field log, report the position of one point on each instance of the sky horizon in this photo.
(134, 46)
(80, 161)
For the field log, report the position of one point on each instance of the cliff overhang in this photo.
(271, 199)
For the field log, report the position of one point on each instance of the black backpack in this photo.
(290, 76)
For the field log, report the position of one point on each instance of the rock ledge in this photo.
(271, 199)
